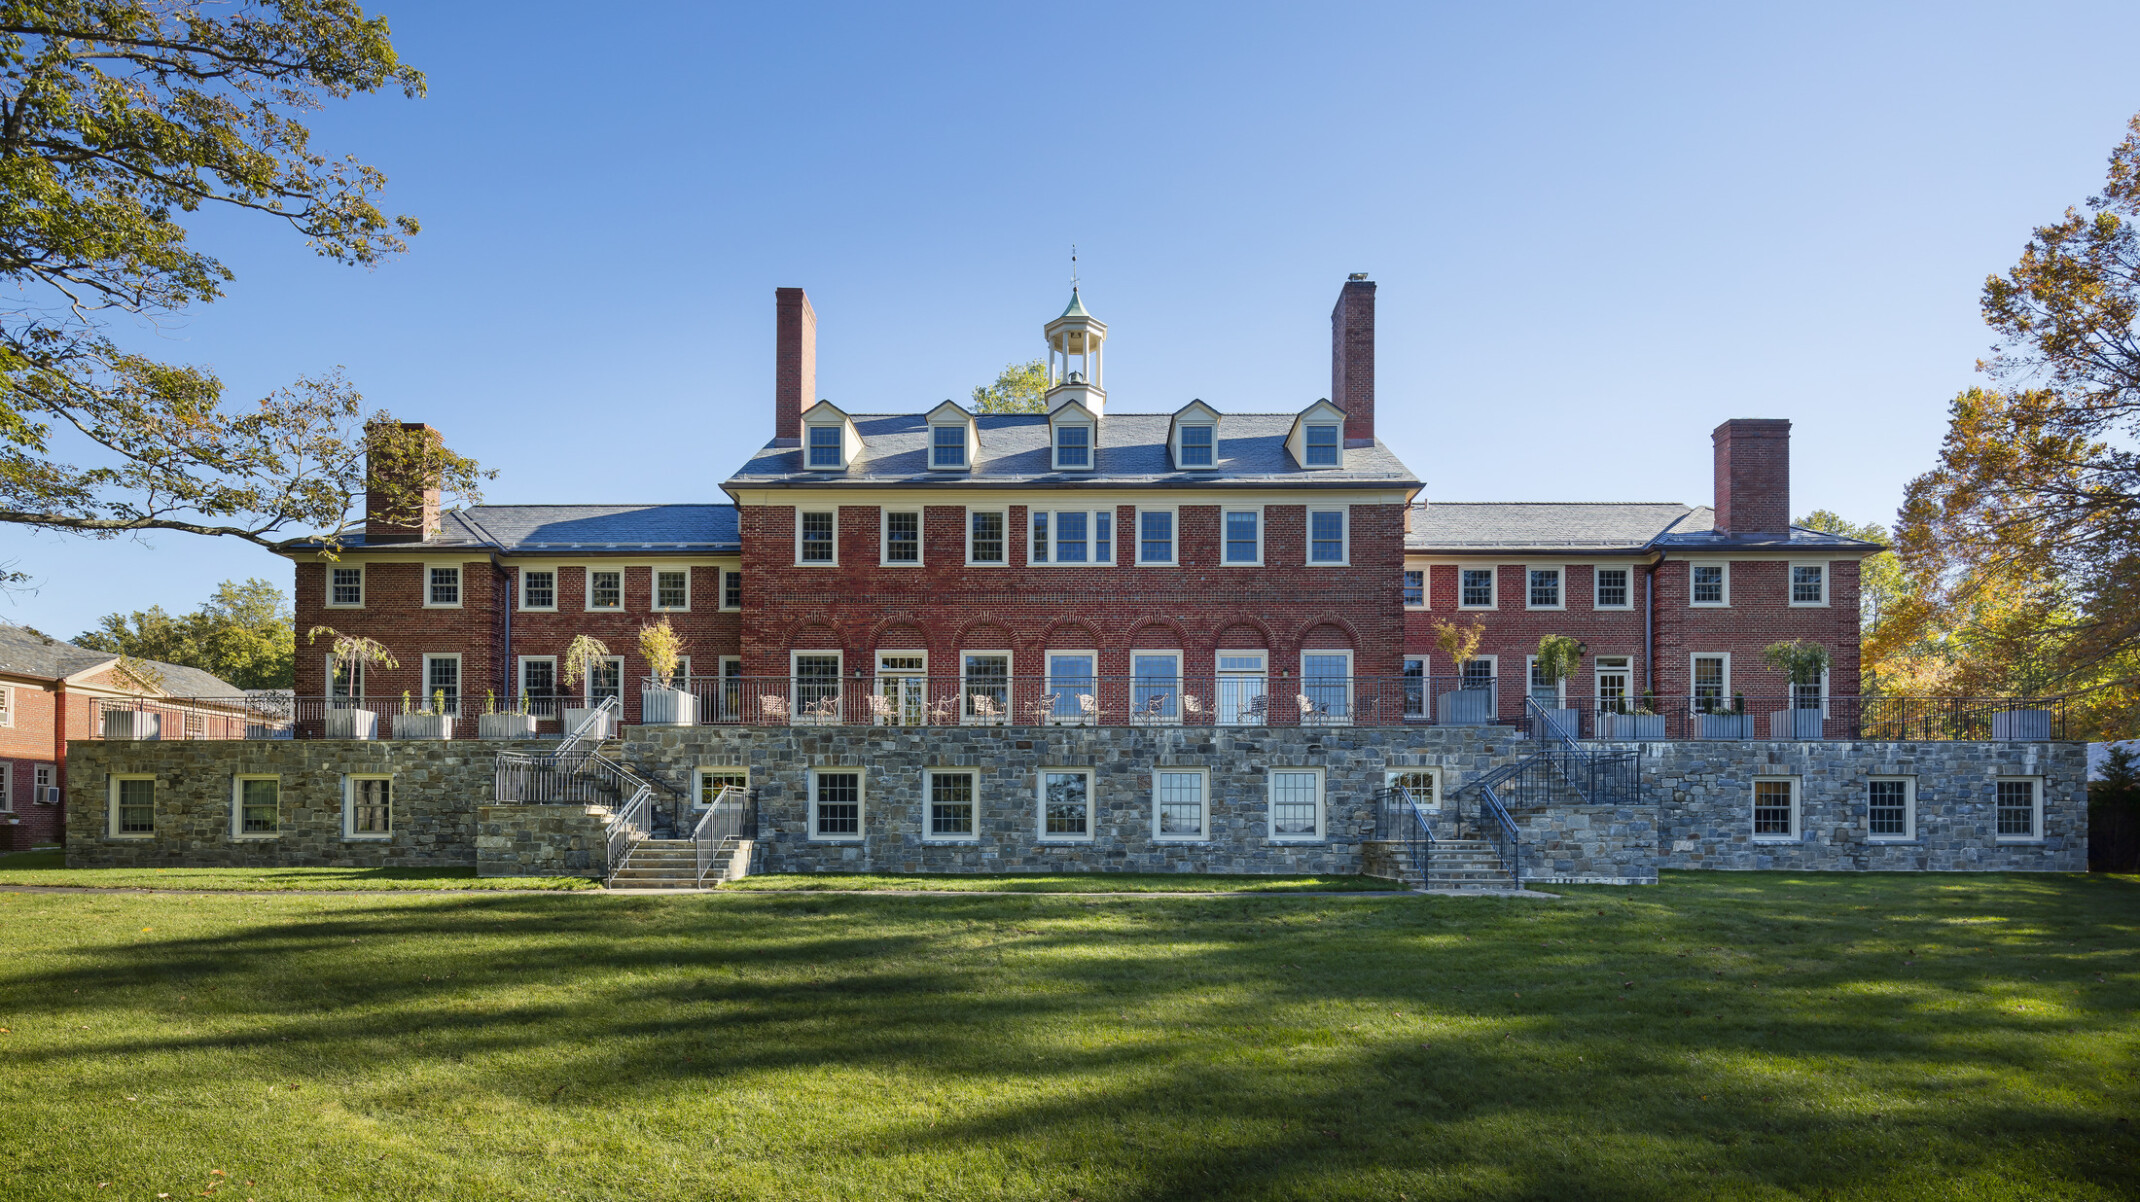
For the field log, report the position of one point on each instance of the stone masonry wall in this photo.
(541, 840)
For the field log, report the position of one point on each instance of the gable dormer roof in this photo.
(823, 414)
(951, 413)
(1321, 413)
(1195, 413)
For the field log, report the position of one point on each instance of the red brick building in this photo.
(949, 566)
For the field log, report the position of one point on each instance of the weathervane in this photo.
(1073, 267)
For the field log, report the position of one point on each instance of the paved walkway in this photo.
(1349, 893)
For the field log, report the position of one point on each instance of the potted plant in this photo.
(1640, 724)
(513, 724)
(1557, 659)
(1731, 723)
(1803, 664)
(1469, 704)
(430, 722)
(582, 656)
(347, 656)
(661, 703)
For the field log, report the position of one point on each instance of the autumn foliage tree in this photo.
(118, 119)
(2024, 540)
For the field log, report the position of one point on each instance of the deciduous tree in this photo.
(245, 633)
(1019, 388)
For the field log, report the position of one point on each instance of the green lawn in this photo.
(49, 868)
(1718, 1036)
(1078, 882)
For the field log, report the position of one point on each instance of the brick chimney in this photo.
(382, 524)
(1753, 475)
(794, 360)
(1352, 358)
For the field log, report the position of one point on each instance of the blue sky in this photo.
(1597, 230)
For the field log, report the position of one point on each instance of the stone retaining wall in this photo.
(541, 840)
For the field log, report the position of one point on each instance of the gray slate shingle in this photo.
(28, 653)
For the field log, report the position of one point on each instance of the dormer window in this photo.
(1322, 444)
(1073, 446)
(825, 446)
(947, 446)
(1197, 448)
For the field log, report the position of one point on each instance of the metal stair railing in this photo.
(628, 825)
(722, 821)
(1596, 777)
(1500, 830)
(1399, 819)
(595, 723)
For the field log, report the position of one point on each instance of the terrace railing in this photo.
(731, 816)
(1400, 819)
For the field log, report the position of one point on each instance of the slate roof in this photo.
(1623, 528)
(1132, 451)
(27, 653)
(542, 529)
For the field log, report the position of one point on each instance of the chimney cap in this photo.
(1357, 275)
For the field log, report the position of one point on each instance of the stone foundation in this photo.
(541, 840)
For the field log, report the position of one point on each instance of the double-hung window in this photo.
(902, 537)
(951, 803)
(605, 589)
(1415, 686)
(1890, 809)
(368, 807)
(816, 687)
(345, 587)
(1065, 803)
(1775, 808)
(815, 540)
(538, 684)
(1612, 589)
(255, 807)
(1325, 687)
(1073, 536)
(672, 588)
(2019, 815)
(1073, 685)
(835, 803)
(947, 446)
(712, 782)
(1198, 447)
(538, 588)
(443, 589)
(1709, 584)
(345, 684)
(1296, 803)
(826, 449)
(1475, 588)
(984, 536)
(1809, 584)
(1423, 785)
(1415, 588)
(1322, 446)
(1155, 687)
(1155, 536)
(1326, 536)
(985, 683)
(1244, 537)
(1073, 446)
(1544, 590)
(1178, 803)
(1712, 679)
(442, 682)
(605, 679)
(731, 588)
(133, 806)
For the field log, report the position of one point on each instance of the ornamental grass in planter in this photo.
(512, 724)
(661, 704)
(347, 655)
(430, 722)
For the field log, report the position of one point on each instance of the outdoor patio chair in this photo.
(944, 711)
(1088, 708)
(773, 709)
(1192, 708)
(1044, 709)
(1155, 706)
(825, 708)
(1258, 710)
(985, 708)
(880, 708)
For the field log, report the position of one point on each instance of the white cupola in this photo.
(1074, 341)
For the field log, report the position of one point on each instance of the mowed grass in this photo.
(1718, 1036)
(1081, 882)
(49, 869)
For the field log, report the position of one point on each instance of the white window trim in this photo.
(972, 834)
(460, 688)
(1055, 446)
(43, 776)
(1493, 587)
(238, 833)
(363, 586)
(1797, 809)
(111, 809)
(1212, 466)
(520, 676)
(1010, 687)
(654, 597)
(623, 683)
(1595, 571)
(1173, 559)
(7, 786)
(2035, 821)
(1791, 586)
(349, 808)
(1909, 810)
(1203, 834)
(460, 585)
(1426, 587)
(1492, 660)
(551, 608)
(1695, 655)
(811, 427)
(722, 584)
(1560, 590)
(1048, 684)
(357, 678)
(882, 673)
(1599, 671)
(1725, 580)
(884, 537)
(1300, 685)
(700, 773)
(800, 562)
(7, 705)
(1433, 772)
(1270, 806)
(1180, 685)
(1560, 687)
(795, 701)
(1262, 523)
(1307, 536)
(1305, 445)
(1093, 517)
(1040, 804)
(861, 803)
(965, 447)
(1001, 511)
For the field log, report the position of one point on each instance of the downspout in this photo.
(505, 658)
(1649, 626)
(59, 753)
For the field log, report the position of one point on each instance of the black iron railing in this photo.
(1400, 819)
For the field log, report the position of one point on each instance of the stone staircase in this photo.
(673, 864)
(1465, 865)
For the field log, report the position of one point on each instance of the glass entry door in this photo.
(1243, 699)
(902, 690)
(1615, 685)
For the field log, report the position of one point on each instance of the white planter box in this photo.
(132, 724)
(1465, 707)
(1569, 721)
(423, 726)
(1795, 724)
(352, 724)
(573, 718)
(668, 707)
(1632, 728)
(269, 730)
(505, 726)
(2033, 725)
(1727, 726)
